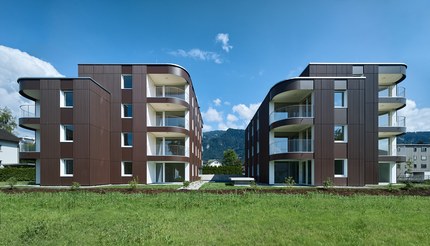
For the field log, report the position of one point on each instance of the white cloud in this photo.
(223, 38)
(14, 64)
(212, 115)
(417, 119)
(207, 128)
(246, 112)
(198, 54)
(232, 118)
(227, 103)
(217, 102)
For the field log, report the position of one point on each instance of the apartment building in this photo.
(113, 123)
(419, 157)
(336, 121)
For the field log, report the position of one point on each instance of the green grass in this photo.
(196, 218)
(5, 184)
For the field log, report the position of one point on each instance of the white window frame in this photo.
(123, 174)
(123, 111)
(63, 99)
(122, 81)
(345, 134)
(63, 133)
(122, 140)
(345, 98)
(345, 168)
(63, 168)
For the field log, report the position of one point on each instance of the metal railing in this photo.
(171, 149)
(29, 111)
(172, 121)
(27, 147)
(171, 91)
(400, 121)
(400, 92)
(292, 111)
(291, 146)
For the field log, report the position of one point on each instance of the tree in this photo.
(7, 120)
(231, 158)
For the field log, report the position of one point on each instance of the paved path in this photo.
(194, 185)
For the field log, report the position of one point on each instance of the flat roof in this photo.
(358, 63)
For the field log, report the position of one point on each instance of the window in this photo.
(415, 149)
(415, 165)
(415, 157)
(126, 168)
(423, 157)
(357, 70)
(127, 111)
(66, 133)
(423, 165)
(340, 168)
(340, 133)
(66, 99)
(66, 167)
(339, 99)
(423, 149)
(127, 139)
(127, 81)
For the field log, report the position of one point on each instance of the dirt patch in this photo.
(292, 191)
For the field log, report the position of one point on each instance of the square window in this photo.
(66, 133)
(126, 169)
(357, 70)
(127, 111)
(66, 167)
(340, 168)
(339, 99)
(339, 133)
(127, 81)
(127, 139)
(423, 149)
(66, 99)
(423, 157)
(423, 165)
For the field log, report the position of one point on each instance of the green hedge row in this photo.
(20, 173)
(235, 170)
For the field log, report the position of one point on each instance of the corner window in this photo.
(66, 99)
(126, 81)
(127, 111)
(127, 139)
(340, 133)
(339, 99)
(340, 168)
(66, 167)
(126, 169)
(66, 133)
(357, 70)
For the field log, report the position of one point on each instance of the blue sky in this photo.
(268, 41)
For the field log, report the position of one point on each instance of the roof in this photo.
(7, 136)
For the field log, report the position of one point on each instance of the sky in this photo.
(235, 51)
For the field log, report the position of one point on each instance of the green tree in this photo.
(7, 120)
(231, 158)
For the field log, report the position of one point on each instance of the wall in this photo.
(9, 152)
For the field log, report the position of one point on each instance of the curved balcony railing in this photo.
(170, 149)
(400, 92)
(292, 111)
(400, 121)
(171, 91)
(27, 147)
(173, 121)
(29, 111)
(291, 146)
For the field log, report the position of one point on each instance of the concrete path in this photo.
(194, 185)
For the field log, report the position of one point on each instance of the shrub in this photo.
(133, 183)
(75, 186)
(228, 170)
(408, 185)
(12, 182)
(289, 181)
(20, 173)
(186, 183)
(328, 183)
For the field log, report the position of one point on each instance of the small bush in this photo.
(408, 185)
(289, 181)
(328, 183)
(12, 181)
(133, 183)
(228, 170)
(186, 183)
(20, 173)
(75, 186)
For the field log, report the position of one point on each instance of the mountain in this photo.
(214, 143)
(414, 138)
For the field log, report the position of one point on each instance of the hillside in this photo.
(214, 143)
(414, 138)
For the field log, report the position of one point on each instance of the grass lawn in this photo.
(196, 218)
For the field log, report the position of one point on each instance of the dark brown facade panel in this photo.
(139, 115)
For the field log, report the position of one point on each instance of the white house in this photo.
(9, 148)
(214, 163)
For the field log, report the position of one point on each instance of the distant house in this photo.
(9, 148)
(214, 163)
(419, 156)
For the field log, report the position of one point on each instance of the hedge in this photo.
(235, 170)
(20, 173)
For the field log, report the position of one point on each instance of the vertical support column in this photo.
(271, 172)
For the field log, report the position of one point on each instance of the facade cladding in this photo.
(334, 122)
(112, 124)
